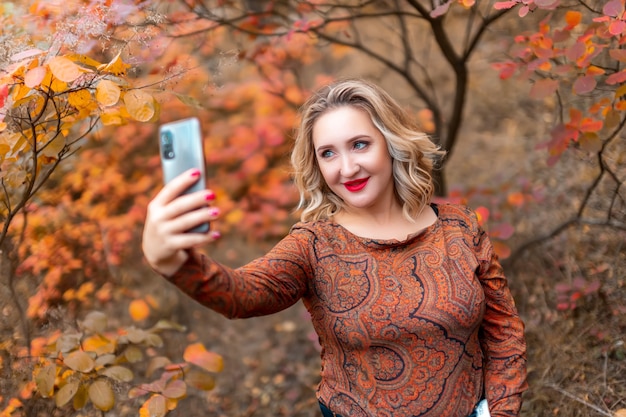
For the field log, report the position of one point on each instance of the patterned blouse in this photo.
(426, 326)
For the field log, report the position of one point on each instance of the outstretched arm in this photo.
(165, 241)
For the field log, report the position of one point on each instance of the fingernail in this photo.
(216, 235)
(213, 211)
(210, 196)
(195, 173)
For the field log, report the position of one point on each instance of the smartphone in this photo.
(180, 145)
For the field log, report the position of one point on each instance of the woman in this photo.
(408, 299)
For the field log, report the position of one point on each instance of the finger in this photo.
(189, 220)
(188, 202)
(177, 186)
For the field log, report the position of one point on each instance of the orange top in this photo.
(407, 328)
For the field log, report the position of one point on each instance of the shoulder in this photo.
(314, 229)
(450, 212)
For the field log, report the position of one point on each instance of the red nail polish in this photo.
(216, 235)
(195, 173)
(210, 196)
(213, 211)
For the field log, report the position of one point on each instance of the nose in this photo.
(349, 167)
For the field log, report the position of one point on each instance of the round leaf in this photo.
(198, 355)
(107, 93)
(44, 379)
(175, 389)
(155, 406)
(139, 310)
(95, 322)
(79, 361)
(101, 395)
(64, 69)
(118, 373)
(140, 105)
(66, 393)
(200, 379)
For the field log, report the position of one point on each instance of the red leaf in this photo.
(617, 78)
(584, 84)
(613, 8)
(440, 10)
(4, 93)
(543, 88)
(617, 27)
(618, 54)
(500, 5)
(502, 231)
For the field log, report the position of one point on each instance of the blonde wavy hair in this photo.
(413, 154)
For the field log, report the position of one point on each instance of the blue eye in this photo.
(360, 145)
(326, 154)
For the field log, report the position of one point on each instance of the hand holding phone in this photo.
(181, 149)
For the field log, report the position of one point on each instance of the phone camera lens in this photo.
(167, 145)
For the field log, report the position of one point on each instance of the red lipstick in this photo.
(356, 185)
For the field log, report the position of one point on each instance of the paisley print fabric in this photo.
(420, 327)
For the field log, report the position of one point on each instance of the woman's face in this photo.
(353, 158)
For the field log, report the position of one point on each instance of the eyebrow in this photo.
(352, 139)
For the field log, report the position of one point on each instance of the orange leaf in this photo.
(501, 249)
(573, 18)
(139, 310)
(515, 199)
(64, 69)
(140, 105)
(198, 355)
(107, 93)
(254, 164)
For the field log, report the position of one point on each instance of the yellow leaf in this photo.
(19, 92)
(54, 147)
(80, 398)
(133, 354)
(139, 310)
(198, 355)
(44, 378)
(116, 66)
(101, 395)
(99, 345)
(111, 118)
(107, 93)
(79, 361)
(84, 60)
(140, 105)
(79, 98)
(64, 69)
(66, 393)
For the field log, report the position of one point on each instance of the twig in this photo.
(580, 400)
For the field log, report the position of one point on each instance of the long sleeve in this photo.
(266, 285)
(501, 335)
